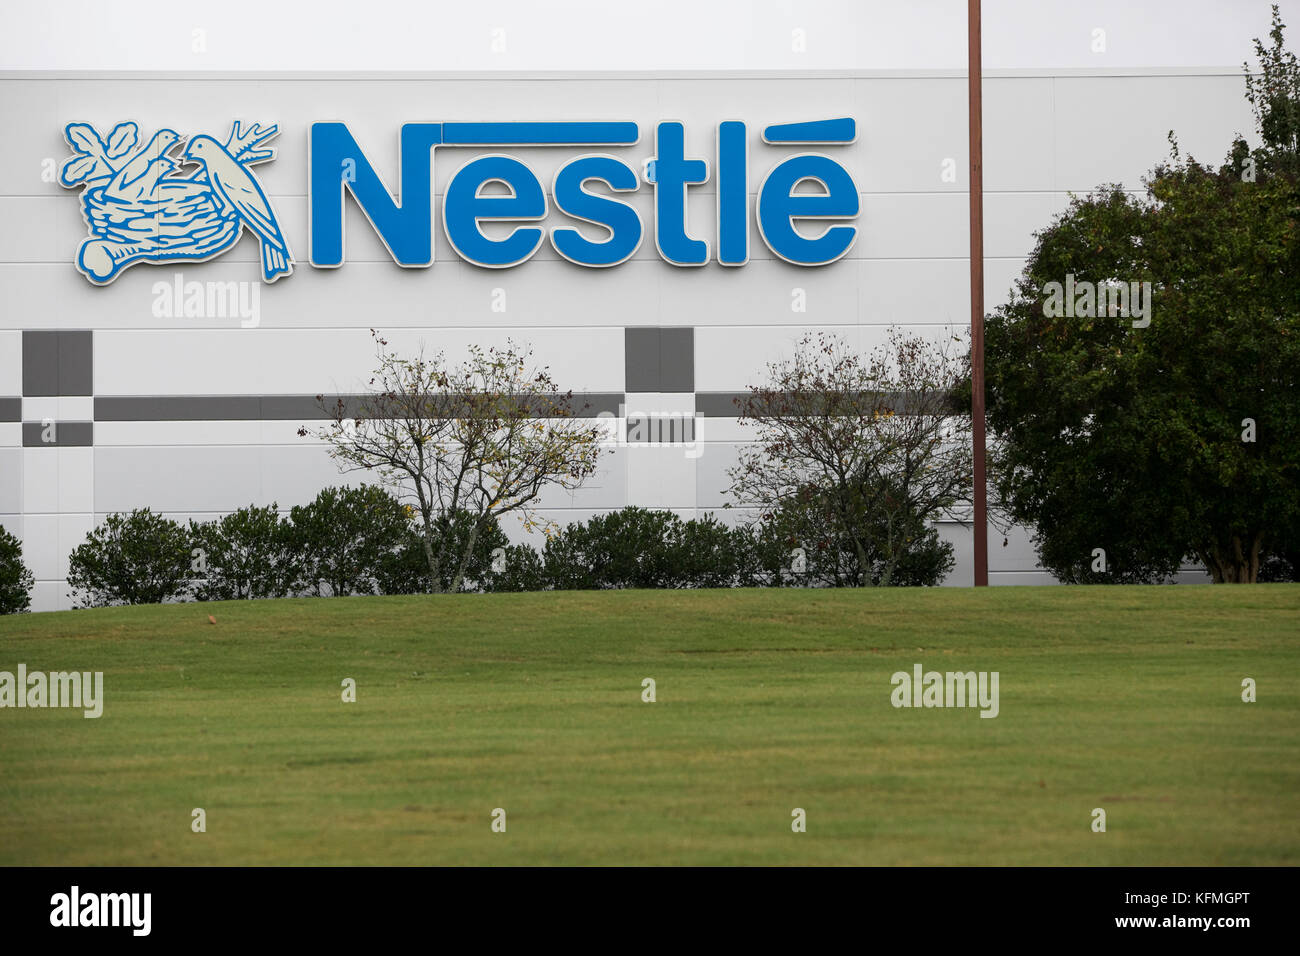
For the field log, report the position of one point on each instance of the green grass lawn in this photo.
(1123, 698)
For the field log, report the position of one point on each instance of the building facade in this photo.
(181, 385)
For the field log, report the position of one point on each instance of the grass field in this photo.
(1128, 699)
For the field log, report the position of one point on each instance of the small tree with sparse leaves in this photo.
(483, 437)
(879, 441)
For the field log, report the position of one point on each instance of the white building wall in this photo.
(1045, 135)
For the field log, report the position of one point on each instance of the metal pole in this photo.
(974, 70)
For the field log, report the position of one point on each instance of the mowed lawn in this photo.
(1123, 698)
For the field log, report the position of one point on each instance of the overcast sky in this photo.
(607, 34)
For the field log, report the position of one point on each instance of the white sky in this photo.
(337, 35)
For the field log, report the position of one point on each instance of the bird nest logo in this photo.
(144, 204)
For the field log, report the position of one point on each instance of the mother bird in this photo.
(234, 188)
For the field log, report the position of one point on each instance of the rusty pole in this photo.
(974, 70)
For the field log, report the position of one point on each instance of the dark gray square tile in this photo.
(58, 362)
(641, 360)
(676, 360)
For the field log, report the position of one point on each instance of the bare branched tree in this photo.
(469, 442)
(875, 446)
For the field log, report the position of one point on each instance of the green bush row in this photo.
(364, 541)
(346, 541)
(640, 548)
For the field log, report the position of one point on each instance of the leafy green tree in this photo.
(246, 554)
(135, 558)
(16, 580)
(1274, 97)
(1130, 446)
(344, 537)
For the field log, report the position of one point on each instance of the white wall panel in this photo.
(267, 361)
(11, 481)
(11, 361)
(731, 360)
(1113, 129)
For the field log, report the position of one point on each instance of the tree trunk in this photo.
(864, 566)
(1240, 563)
(464, 558)
(887, 572)
(435, 583)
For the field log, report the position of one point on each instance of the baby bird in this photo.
(153, 155)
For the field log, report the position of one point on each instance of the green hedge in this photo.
(364, 541)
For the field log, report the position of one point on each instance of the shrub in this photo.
(136, 558)
(1281, 562)
(764, 559)
(705, 553)
(406, 569)
(249, 553)
(344, 537)
(15, 578)
(622, 549)
(523, 569)
(925, 563)
(808, 527)
(641, 548)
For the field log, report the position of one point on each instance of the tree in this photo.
(135, 558)
(246, 554)
(483, 437)
(345, 537)
(1274, 97)
(1130, 443)
(878, 442)
(16, 580)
